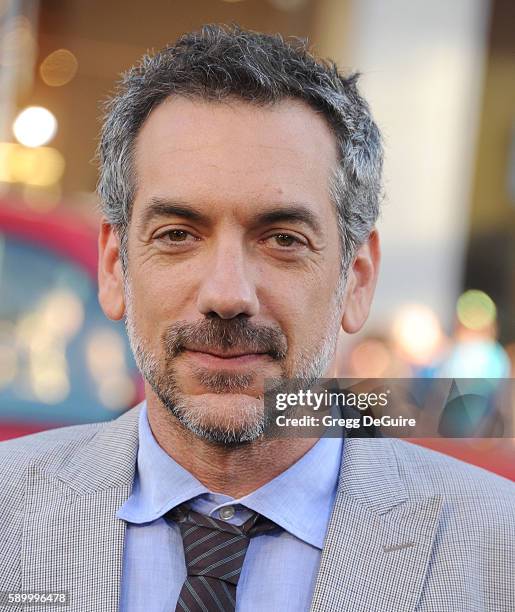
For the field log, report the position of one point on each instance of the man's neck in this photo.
(235, 470)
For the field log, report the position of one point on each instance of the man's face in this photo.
(233, 258)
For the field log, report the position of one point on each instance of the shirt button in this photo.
(226, 513)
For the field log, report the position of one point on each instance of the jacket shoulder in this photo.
(469, 491)
(46, 449)
(427, 468)
(474, 545)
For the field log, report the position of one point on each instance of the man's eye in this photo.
(175, 235)
(286, 240)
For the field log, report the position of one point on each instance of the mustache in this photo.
(222, 335)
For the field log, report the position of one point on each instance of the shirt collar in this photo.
(300, 499)
(160, 483)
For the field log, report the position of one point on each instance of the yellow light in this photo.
(475, 309)
(62, 313)
(25, 327)
(37, 167)
(50, 385)
(417, 333)
(34, 126)
(48, 374)
(8, 353)
(7, 161)
(105, 353)
(116, 391)
(8, 365)
(58, 68)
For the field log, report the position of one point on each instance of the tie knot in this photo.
(214, 548)
(255, 524)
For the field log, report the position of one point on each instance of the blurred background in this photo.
(440, 78)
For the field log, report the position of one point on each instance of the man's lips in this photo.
(214, 359)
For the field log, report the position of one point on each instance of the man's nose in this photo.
(227, 288)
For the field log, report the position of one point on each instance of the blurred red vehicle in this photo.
(61, 360)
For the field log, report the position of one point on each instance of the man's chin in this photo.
(222, 418)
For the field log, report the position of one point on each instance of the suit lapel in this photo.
(379, 541)
(375, 556)
(71, 539)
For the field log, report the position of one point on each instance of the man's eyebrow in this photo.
(296, 213)
(158, 207)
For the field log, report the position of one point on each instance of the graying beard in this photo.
(309, 370)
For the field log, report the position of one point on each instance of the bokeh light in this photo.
(8, 354)
(62, 313)
(17, 41)
(42, 335)
(104, 352)
(417, 333)
(49, 374)
(476, 310)
(105, 355)
(116, 391)
(37, 167)
(371, 358)
(35, 126)
(476, 359)
(58, 68)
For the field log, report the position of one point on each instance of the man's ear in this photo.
(110, 277)
(361, 283)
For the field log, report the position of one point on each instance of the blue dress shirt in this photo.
(278, 572)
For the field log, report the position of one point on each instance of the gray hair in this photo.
(218, 62)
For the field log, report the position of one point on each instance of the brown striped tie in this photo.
(214, 551)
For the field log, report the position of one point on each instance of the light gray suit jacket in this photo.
(412, 530)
